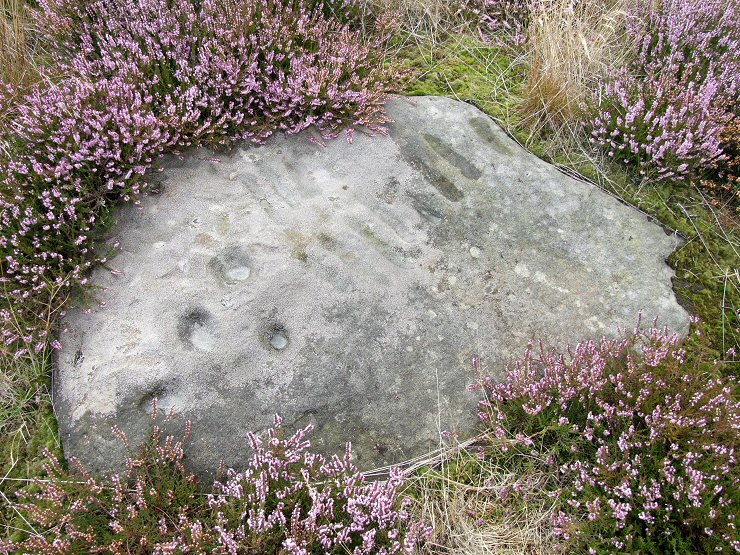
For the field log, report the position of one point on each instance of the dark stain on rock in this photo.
(427, 211)
(381, 447)
(79, 358)
(147, 400)
(445, 186)
(453, 157)
(417, 154)
(327, 241)
(298, 243)
(482, 128)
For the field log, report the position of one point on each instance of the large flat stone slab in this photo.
(348, 286)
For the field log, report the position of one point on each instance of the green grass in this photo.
(21, 453)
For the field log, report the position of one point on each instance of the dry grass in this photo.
(569, 46)
(478, 507)
(18, 43)
(23, 374)
(422, 21)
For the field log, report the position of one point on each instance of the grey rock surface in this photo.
(348, 286)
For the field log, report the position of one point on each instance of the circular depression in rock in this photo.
(232, 265)
(276, 337)
(195, 329)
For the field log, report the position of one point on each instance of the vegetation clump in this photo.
(641, 444)
(288, 501)
(666, 111)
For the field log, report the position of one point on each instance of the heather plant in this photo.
(309, 504)
(723, 181)
(504, 21)
(288, 501)
(147, 76)
(641, 444)
(665, 111)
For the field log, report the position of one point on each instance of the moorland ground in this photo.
(639, 97)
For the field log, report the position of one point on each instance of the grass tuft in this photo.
(20, 44)
(477, 505)
(569, 46)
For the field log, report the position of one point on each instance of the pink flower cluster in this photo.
(644, 443)
(288, 501)
(304, 500)
(501, 22)
(507, 19)
(135, 78)
(665, 112)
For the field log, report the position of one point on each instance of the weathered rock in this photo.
(348, 286)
